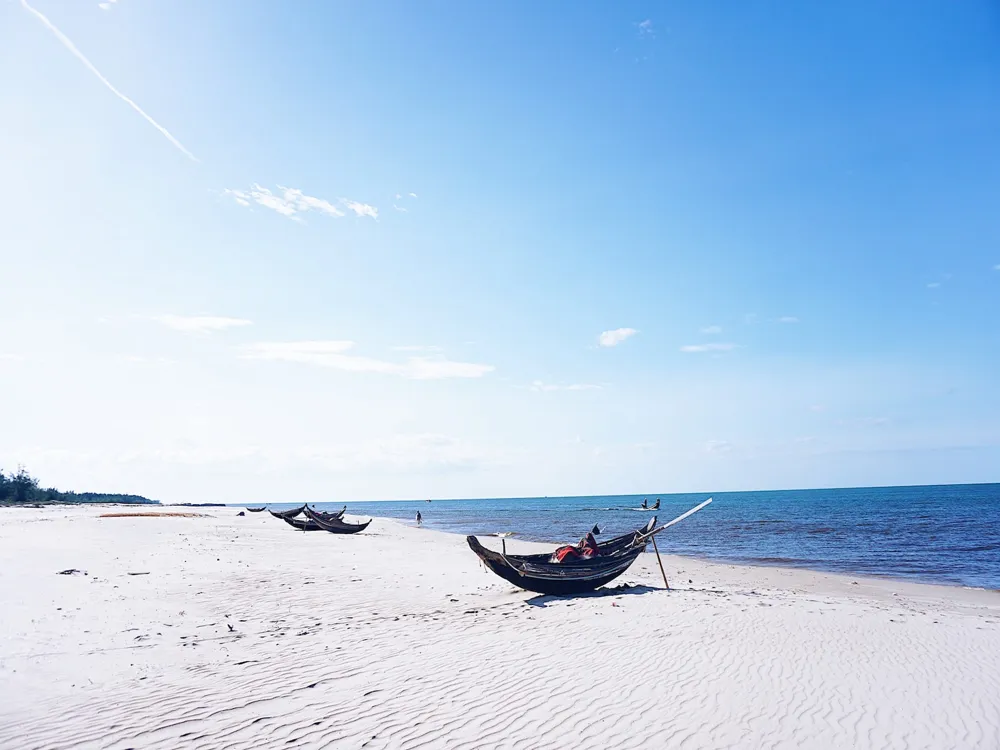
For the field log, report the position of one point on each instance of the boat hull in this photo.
(555, 579)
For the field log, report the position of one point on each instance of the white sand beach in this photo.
(237, 632)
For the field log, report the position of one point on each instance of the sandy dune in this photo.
(240, 632)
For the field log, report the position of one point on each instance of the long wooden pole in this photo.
(655, 549)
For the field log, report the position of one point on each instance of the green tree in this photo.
(25, 486)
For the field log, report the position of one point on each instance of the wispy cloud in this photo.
(402, 198)
(711, 330)
(646, 28)
(615, 337)
(333, 354)
(718, 446)
(934, 285)
(417, 348)
(539, 386)
(290, 202)
(787, 319)
(360, 209)
(996, 267)
(80, 56)
(721, 347)
(106, 5)
(200, 323)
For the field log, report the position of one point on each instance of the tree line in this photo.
(20, 488)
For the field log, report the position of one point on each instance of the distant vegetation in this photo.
(20, 488)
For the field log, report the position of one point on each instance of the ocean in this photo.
(939, 534)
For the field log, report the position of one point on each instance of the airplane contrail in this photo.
(80, 56)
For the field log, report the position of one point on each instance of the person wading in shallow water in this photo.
(420, 518)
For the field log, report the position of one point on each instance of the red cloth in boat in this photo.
(586, 549)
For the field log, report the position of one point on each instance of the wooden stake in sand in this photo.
(657, 551)
(652, 535)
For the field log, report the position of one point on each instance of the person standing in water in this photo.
(420, 518)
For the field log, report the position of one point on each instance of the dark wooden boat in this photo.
(257, 510)
(336, 525)
(538, 573)
(302, 524)
(284, 514)
(323, 514)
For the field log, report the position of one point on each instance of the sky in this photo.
(330, 251)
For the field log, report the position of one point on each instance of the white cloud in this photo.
(718, 446)
(934, 285)
(711, 330)
(417, 348)
(788, 319)
(646, 28)
(80, 56)
(200, 323)
(413, 195)
(539, 386)
(615, 337)
(107, 5)
(333, 354)
(360, 209)
(290, 202)
(399, 208)
(694, 348)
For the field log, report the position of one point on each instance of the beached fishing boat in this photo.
(257, 510)
(285, 514)
(302, 524)
(588, 567)
(323, 514)
(334, 524)
(572, 576)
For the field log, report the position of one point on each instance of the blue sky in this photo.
(393, 250)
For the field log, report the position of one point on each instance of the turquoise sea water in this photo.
(942, 534)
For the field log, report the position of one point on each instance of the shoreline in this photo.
(543, 546)
(546, 545)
